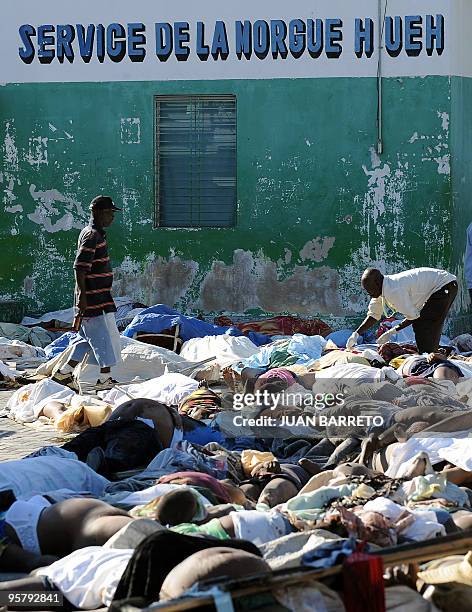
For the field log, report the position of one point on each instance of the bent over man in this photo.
(423, 295)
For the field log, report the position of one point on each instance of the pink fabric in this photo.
(280, 374)
(198, 480)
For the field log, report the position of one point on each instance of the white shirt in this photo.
(88, 577)
(407, 292)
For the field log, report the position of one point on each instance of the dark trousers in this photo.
(470, 294)
(429, 326)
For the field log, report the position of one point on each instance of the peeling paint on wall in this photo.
(317, 249)
(158, 280)
(130, 130)
(438, 153)
(38, 151)
(10, 151)
(56, 212)
(251, 281)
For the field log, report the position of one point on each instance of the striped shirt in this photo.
(92, 258)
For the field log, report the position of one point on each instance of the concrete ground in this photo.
(18, 440)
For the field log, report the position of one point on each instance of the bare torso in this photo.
(76, 523)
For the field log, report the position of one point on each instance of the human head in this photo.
(103, 210)
(275, 380)
(372, 282)
(176, 507)
(218, 562)
(236, 495)
(272, 386)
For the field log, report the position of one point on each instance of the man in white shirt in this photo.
(423, 295)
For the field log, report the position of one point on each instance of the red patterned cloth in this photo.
(390, 350)
(283, 326)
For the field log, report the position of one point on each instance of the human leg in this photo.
(97, 334)
(428, 327)
(64, 374)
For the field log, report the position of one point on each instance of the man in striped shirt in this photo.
(93, 299)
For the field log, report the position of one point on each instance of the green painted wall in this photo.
(315, 203)
(461, 139)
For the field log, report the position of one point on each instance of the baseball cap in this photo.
(102, 202)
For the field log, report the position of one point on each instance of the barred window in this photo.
(195, 152)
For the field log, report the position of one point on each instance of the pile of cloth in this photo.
(235, 459)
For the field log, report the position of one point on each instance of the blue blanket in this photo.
(159, 317)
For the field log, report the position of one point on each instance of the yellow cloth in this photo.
(84, 412)
(251, 458)
(397, 362)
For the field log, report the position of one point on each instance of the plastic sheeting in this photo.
(160, 317)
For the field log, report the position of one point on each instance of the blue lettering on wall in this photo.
(296, 37)
(136, 42)
(434, 34)
(315, 37)
(413, 33)
(243, 39)
(220, 47)
(334, 36)
(364, 37)
(203, 50)
(278, 34)
(85, 40)
(164, 41)
(393, 36)
(181, 37)
(65, 38)
(261, 38)
(45, 40)
(27, 52)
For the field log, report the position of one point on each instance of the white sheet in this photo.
(258, 527)
(16, 349)
(226, 349)
(457, 450)
(140, 362)
(169, 389)
(7, 372)
(357, 372)
(425, 525)
(25, 405)
(88, 577)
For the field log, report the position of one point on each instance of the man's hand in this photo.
(352, 341)
(435, 357)
(385, 337)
